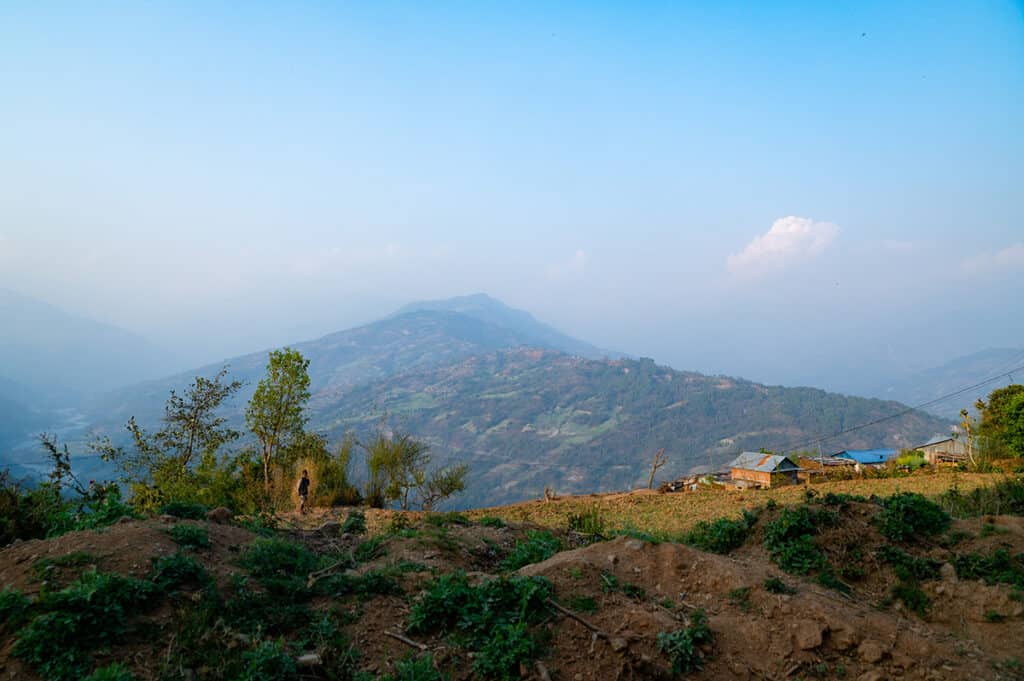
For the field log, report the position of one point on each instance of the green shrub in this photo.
(722, 535)
(538, 546)
(1006, 497)
(269, 662)
(177, 570)
(355, 523)
(184, 510)
(994, 616)
(113, 672)
(775, 585)
(14, 609)
(998, 567)
(90, 614)
(508, 646)
(908, 567)
(415, 669)
(252, 611)
(491, 521)
(582, 604)
(913, 597)
(610, 583)
(740, 596)
(450, 601)
(190, 536)
(907, 516)
(369, 549)
(683, 645)
(445, 519)
(281, 566)
(589, 522)
(493, 618)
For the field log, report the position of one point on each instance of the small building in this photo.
(756, 469)
(868, 457)
(943, 449)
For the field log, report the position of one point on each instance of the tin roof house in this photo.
(868, 457)
(757, 469)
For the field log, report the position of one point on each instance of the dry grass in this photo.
(672, 514)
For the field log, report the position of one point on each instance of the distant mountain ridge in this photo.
(60, 356)
(930, 384)
(483, 307)
(527, 406)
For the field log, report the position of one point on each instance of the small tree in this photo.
(160, 466)
(275, 413)
(442, 484)
(398, 467)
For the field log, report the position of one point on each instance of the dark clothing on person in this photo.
(304, 487)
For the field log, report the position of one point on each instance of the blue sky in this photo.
(786, 191)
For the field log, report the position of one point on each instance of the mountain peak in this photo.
(492, 311)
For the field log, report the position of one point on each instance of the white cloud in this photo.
(570, 269)
(790, 239)
(1009, 258)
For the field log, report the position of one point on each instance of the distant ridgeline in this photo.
(528, 407)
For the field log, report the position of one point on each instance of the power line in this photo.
(822, 438)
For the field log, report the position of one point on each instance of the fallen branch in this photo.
(316, 576)
(407, 641)
(569, 613)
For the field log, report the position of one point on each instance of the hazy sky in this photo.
(794, 192)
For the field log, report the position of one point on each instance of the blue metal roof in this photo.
(867, 456)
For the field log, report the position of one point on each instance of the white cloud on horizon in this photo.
(1009, 258)
(572, 268)
(791, 239)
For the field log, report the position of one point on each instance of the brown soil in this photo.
(629, 589)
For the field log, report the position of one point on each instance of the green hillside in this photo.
(529, 418)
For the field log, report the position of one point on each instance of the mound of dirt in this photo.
(610, 601)
(758, 635)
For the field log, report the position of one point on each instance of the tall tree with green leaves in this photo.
(275, 413)
(158, 466)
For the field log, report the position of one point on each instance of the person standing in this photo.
(303, 491)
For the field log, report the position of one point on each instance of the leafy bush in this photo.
(582, 604)
(281, 566)
(906, 516)
(683, 645)
(1006, 497)
(722, 535)
(451, 604)
(589, 522)
(740, 596)
(913, 597)
(113, 672)
(184, 510)
(494, 617)
(538, 546)
(775, 585)
(508, 646)
(445, 519)
(908, 567)
(14, 608)
(491, 521)
(415, 669)
(612, 583)
(177, 570)
(190, 536)
(269, 662)
(89, 614)
(355, 523)
(998, 567)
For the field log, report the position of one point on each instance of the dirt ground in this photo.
(629, 591)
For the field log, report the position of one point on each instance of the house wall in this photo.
(758, 477)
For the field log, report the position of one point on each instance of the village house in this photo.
(868, 457)
(756, 469)
(946, 449)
